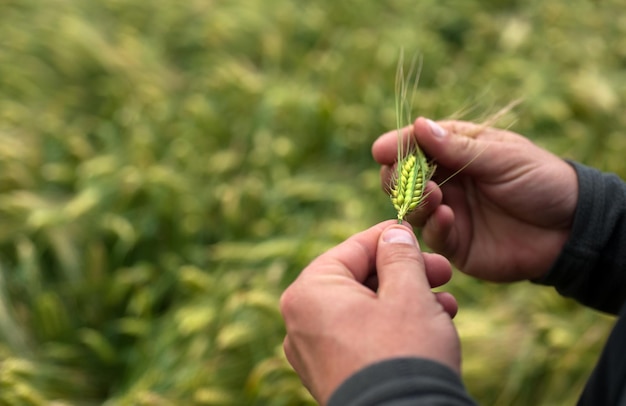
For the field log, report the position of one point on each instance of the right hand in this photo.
(339, 321)
(507, 215)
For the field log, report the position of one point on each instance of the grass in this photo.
(167, 168)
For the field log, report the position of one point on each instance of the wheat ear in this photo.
(413, 170)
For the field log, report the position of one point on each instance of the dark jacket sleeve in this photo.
(592, 265)
(402, 382)
(607, 383)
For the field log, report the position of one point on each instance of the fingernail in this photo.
(436, 129)
(397, 235)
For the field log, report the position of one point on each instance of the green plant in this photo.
(167, 168)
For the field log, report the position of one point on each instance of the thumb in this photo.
(399, 264)
(453, 144)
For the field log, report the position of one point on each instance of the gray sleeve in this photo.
(592, 265)
(402, 382)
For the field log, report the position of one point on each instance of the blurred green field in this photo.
(167, 168)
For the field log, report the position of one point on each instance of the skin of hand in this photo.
(337, 324)
(506, 216)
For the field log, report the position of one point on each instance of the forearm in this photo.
(592, 265)
(402, 382)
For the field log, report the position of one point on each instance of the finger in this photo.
(354, 258)
(475, 148)
(481, 131)
(450, 142)
(438, 272)
(438, 269)
(386, 176)
(385, 148)
(450, 147)
(448, 302)
(438, 232)
(400, 265)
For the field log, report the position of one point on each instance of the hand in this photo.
(506, 216)
(336, 325)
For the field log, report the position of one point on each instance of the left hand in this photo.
(507, 215)
(337, 325)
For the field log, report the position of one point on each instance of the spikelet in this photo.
(413, 170)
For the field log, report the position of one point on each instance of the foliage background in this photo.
(167, 168)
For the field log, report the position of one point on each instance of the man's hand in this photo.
(504, 217)
(364, 301)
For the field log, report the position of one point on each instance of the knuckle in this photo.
(287, 302)
(287, 347)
